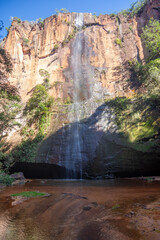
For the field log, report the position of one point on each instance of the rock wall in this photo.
(41, 52)
(49, 46)
(87, 59)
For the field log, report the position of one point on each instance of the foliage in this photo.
(39, 106)
(5, 179)
(151, 38)
(131, 28)
(29, 194)
(27, 132)
(62, 10)
(115, 206)
(57, 83)
(148, 75)
(112, 15)
(136, 7)
(118, 42)
(26, 41)
(37, 112)
(94, 15)
(67, 101)
(6, 59)
(8, 28)
(45, 74)
(70, 36)
(25, 152)
(55, 47)
(10, 107)
(137, 118)
(40, 22)
(18, 20)
(124, 13)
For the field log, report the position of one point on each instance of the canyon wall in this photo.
(87, 58)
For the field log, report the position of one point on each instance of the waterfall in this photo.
(80, 139)
(85, 120)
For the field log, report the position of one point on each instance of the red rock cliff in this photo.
(112, 42)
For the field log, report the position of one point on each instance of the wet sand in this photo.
(121, 209)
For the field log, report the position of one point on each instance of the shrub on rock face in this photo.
(18, 20)
(151, 38)
(39, 105)
(118, 42)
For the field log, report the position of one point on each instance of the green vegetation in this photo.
(55, 47)
(37, 113)
(40, 22)
(94, 15)
(29, 194)
(18, 20)
(138, 117)
(57, 83)
(131, 28)
(45, 74)
(5, 179)
(151, 38)
(10, 107)
(124, 13)
(135, 8)
(8, 28)
(62, 10)
(26, 41)
(26, 151)
(115, 206)
(38, 108)
(67, 101)
(6, 60)
(68, 39)
(119, 42)
(112, 15)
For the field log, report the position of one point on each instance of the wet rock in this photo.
(23, 181)
(18, 176)
(87, 208)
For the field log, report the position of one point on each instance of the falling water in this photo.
(74, 145)
(79, 147)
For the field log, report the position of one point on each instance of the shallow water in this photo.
(83, 210)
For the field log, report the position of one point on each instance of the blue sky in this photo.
(33, 9)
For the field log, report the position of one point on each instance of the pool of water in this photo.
(82, 210)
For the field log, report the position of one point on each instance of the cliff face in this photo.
(47, 48)
(87, 59)
(112, 42)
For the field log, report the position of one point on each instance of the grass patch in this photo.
(115, 206)
(29, 194)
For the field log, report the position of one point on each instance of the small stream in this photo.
(82, 210)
